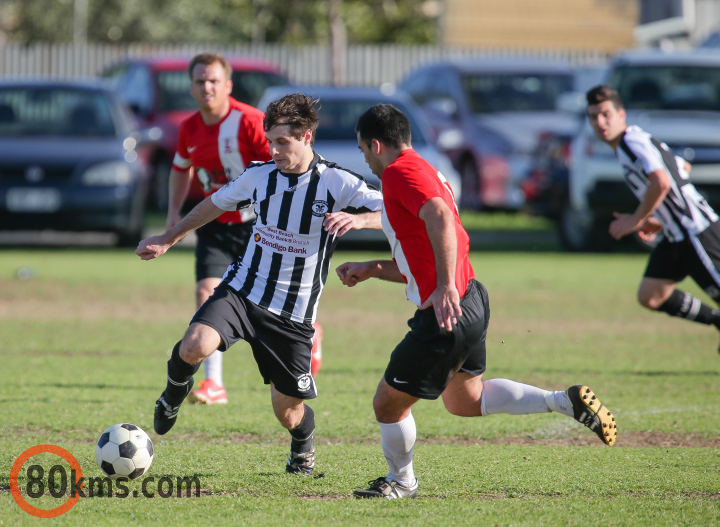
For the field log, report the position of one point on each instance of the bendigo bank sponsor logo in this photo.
(281, 241)
(58, 485)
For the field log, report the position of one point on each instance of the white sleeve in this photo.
(239, 192)
(647, 153)
(351, 192)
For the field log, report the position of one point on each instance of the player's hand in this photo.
(342, 222)
(152, 247)
(623, 224)
(446, 303)
(649, 231)
(352, 273)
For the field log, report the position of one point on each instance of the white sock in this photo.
(213, 367)
(502, 396)
(397, 440)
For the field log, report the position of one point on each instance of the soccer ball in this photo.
(124, 451)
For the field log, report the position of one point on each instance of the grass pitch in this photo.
(84, 341)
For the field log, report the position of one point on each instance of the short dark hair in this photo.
(386, 124)
(602, 93)
(297, 110)
(207, 59)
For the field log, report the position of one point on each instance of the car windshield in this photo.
(492, 93)
(52, 110)
(248, 87)
(668, 87)
(338, 119)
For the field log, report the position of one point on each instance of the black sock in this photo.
(302, 434)
(684, 305)
(179, 375)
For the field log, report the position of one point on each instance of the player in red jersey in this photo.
(216, 144)
(443, 354)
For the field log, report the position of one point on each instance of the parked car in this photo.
(675, 96)
(70, 159)
(157, 89)
(336, 139)
(546, 186)
(488, 115)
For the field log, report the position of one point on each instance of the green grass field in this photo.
(84, 342)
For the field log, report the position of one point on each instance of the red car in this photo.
(157, 89)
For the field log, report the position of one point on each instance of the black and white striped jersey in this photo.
(288, 255)
(683, 212)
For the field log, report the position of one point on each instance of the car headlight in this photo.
(108, 174)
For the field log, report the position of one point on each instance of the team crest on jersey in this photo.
(304, 382)
(257, 237)
(320, 208)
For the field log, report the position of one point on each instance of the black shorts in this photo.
(697, 257)
(427, 359)
(218, 246)
(282, 347)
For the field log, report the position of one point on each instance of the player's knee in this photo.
(648, 300)
(202, 293)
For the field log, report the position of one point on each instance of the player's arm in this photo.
(342, 222)
(440, 224)
(178, 187)
(624, 224)
(352, 273)
(155, 246)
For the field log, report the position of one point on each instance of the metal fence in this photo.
(365, 65)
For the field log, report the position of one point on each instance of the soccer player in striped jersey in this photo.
(443, 354)
(669, 203)
(270, 296)
(215, 144)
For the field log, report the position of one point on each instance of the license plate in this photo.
(32, 200)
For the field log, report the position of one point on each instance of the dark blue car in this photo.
(71, 159)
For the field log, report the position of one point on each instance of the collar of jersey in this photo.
(313, 163)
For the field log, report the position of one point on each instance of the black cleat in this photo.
(303, 463)
(165, 414)
(387, 488)
(588, 410)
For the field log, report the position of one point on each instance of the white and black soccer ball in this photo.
(124, 451)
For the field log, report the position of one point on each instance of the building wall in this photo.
(605, 25)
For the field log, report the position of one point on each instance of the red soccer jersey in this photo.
(407, 183)
(221, 152)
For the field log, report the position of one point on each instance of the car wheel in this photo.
(161, 183)
(470, 179)
(580, 231)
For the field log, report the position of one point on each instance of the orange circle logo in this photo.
(20, 499)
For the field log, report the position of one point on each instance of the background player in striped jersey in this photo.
(444, 351)
(270, 296)
(216, 144)
(669, 203)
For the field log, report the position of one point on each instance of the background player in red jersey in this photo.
(444, 352)
(216, 144)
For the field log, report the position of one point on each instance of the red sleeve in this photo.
(255, 133)
(409, 187)
(181, 161)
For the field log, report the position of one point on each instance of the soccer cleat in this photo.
(208, 392)
(387, 488)
(588, 410)
(301, 463)
(165, 414)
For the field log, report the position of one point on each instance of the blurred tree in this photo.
(217, 21)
